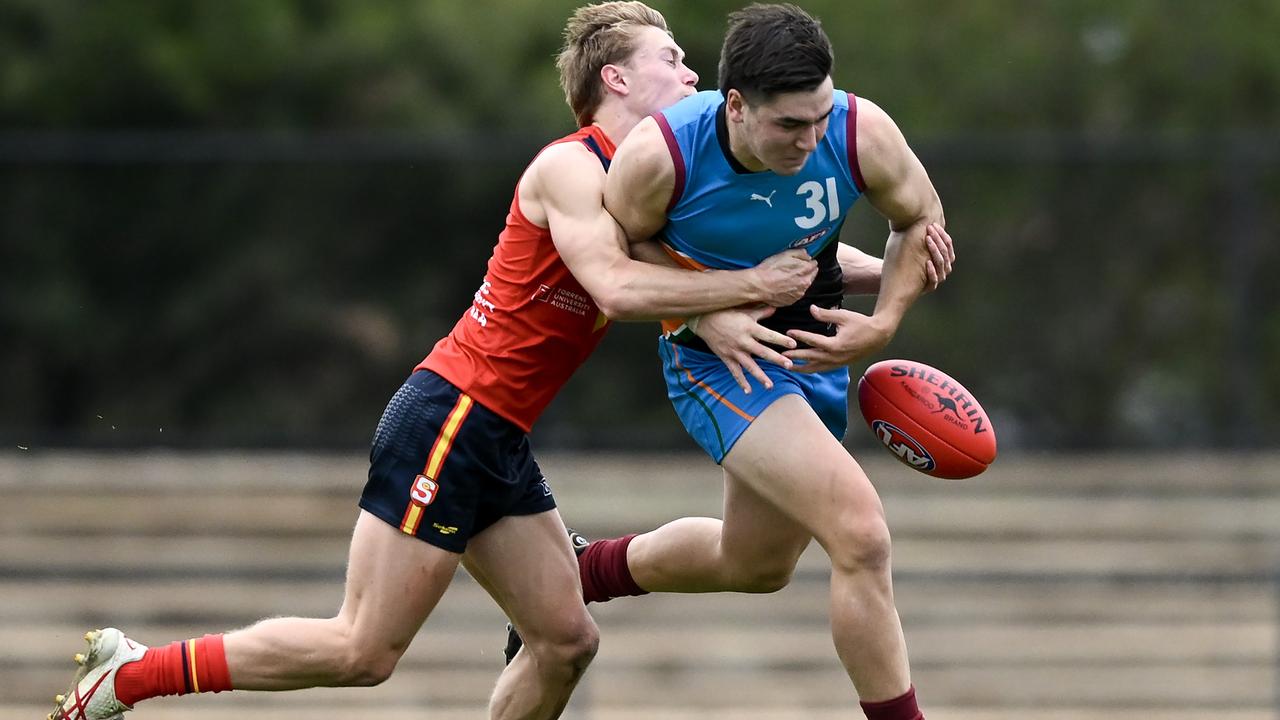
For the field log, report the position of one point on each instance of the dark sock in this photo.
(902, 707)
(604, 572)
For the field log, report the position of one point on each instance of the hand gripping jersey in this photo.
(722, 215)
(530, 325)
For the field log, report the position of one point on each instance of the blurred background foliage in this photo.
(241, 223)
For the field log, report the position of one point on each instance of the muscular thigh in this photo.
(756, 533)
(528, 565)
(393, 583)
(796, 466)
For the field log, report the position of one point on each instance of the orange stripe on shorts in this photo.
(435, 458)
(741, 413)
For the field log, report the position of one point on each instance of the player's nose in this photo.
(808, 140)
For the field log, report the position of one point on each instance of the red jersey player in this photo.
(451, 472)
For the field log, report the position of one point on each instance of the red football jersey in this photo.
(531, 323)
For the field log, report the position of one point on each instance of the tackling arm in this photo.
(566, 183)
(637, 192)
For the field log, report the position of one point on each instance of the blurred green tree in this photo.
(244, 221)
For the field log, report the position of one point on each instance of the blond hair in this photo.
(595, 36)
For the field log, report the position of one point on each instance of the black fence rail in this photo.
(159, 288)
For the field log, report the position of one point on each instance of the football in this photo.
(926, 419)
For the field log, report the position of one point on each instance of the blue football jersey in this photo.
(724, 216)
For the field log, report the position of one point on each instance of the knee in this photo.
(571, 648)
(578, 651)
(860, 545)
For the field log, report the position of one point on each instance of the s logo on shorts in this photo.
(424, 490)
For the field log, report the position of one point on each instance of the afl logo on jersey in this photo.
(807, 240)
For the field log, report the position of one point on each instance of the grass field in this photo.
(1050, 588)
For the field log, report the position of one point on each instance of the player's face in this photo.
(656, 74)
(783, 131)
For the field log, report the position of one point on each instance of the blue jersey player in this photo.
(774, 160)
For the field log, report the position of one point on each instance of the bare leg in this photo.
(812, 479)
(528, 566)
(393, 582)
(755, 549)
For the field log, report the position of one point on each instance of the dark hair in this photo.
(771, 49)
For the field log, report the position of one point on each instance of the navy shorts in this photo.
(444, 467)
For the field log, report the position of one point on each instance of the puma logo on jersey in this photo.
(766, 200)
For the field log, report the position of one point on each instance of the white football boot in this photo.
(93, 691)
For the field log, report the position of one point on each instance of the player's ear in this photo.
(734, 105)
(614, 79)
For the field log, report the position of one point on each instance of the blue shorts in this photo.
(716, 412)
(444, 467)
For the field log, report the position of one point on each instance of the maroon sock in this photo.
(604, 572)
(902, 707)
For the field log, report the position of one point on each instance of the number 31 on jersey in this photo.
(819, 211)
